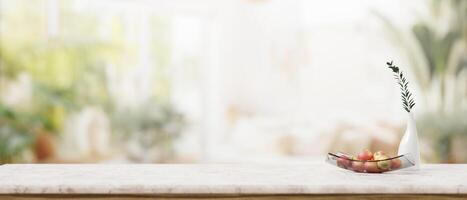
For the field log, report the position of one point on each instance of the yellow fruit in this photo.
(378, 154)
(385, 164)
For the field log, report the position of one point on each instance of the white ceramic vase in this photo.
(409, 142)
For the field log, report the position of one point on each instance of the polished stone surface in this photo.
(312, 178)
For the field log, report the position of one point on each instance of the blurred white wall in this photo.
(250, 73)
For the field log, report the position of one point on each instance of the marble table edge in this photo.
(12, 188)
(224, 190)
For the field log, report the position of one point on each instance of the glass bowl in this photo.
(371, 166)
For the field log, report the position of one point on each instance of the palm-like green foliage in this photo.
(436, 48)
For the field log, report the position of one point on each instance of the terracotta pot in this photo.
(44, 146)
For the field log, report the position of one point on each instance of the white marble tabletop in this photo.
(315, 178)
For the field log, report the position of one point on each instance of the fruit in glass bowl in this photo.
(344, 162)
(358, 166)
(378, 163)
(365, 155)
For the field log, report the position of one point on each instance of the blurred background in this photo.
(180, 81)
